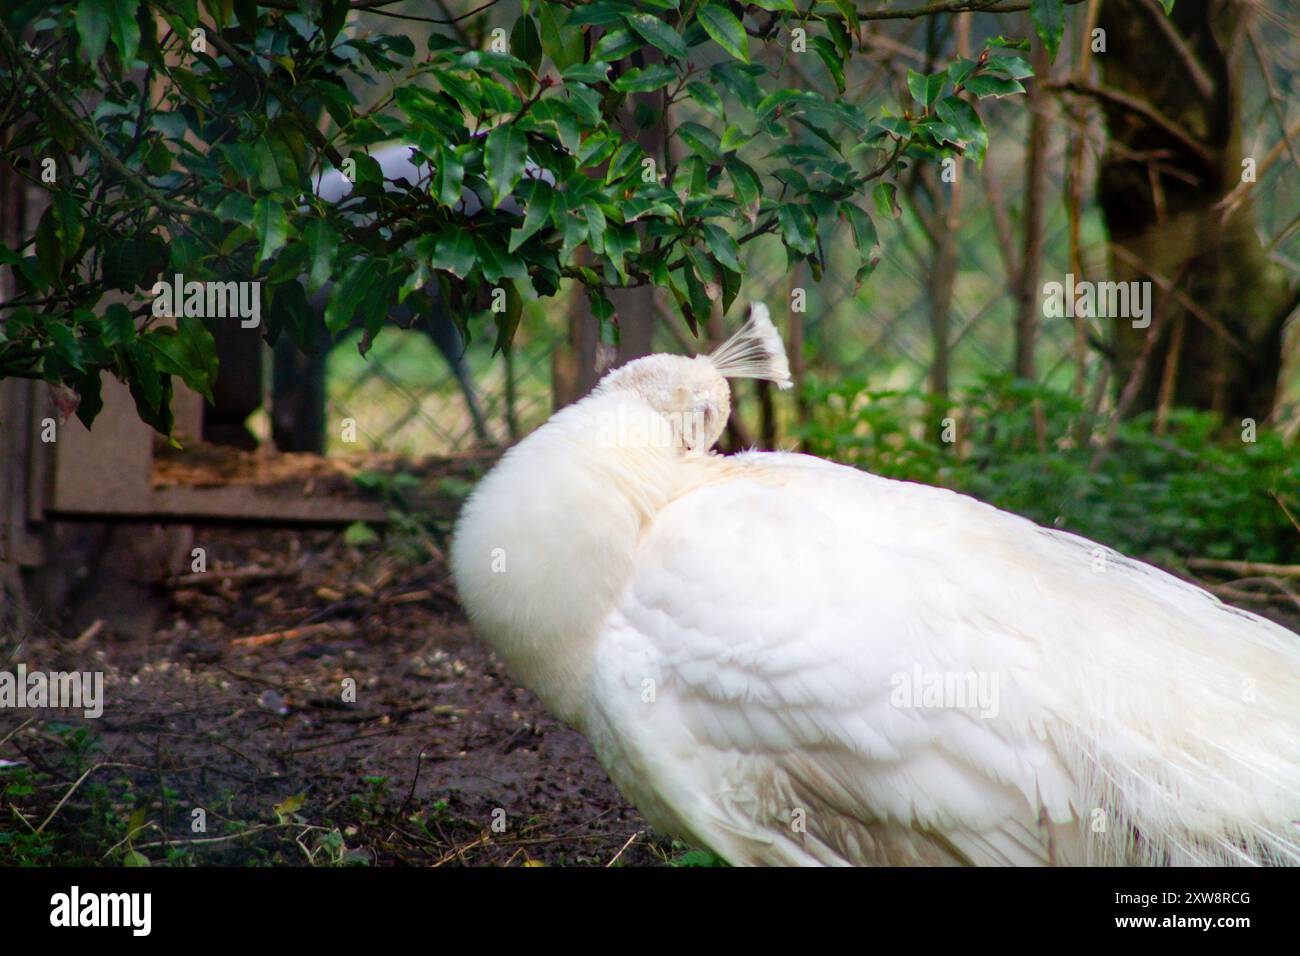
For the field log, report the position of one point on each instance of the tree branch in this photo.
(317, 138)
(1139, 108)
(376, 6)
(88, 136)
(1184, 53)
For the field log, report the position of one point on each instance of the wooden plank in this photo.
(245, 502)
(20, 542)
(235, 503)
(108, 470)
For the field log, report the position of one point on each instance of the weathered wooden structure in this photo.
(96, 517)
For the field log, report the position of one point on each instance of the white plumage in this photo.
(790, 661)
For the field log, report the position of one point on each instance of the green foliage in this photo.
(695, 858)
(1194, 491)
(108, 812)
(213, 178)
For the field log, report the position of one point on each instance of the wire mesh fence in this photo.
(406, 400)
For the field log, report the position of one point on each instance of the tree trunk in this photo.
(1172, 100)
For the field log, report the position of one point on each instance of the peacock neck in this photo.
(547, 544)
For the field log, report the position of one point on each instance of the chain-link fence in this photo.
(405, 399)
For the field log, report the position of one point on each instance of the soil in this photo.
(315, 697)
(239, 705)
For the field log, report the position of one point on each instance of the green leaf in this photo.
(723, 246)
(497, 265)
(541, 203)
(526, 43)
(653, 77)
(66, 345)
(864, 231)
(925, 89)
(128, 263)
(504, 160)
(797, 228)
(92, 27)
(738, 79)
(562, 43)
(1049, 23)
(601, 308)
(454, 253)
(659, 33)
(730, 287)
(707, 97)
(67, 218)
(574, 225)
(322, 244)
(733, 138)
(727, 32)
(1009, 43)
(624, 162)
(351, 288)
(749, 190)
(463, 91)
(615, 45)
(849, 12)
(620, 241)
(123, 28)
(188, 351)
(271, 227)
(49, 246)
(830, 58)
(962, 116)
(596, 224)
(886, 199)
(701, 140)
(594, 72)
(1013, 66)
(602, 13)
(985, 85)
(268, 172)
(507, 321)
(449, 175)
(89, 393)
(959, 69)
(697, 305)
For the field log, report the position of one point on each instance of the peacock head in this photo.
(691, 395)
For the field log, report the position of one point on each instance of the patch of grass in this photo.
(692, 857)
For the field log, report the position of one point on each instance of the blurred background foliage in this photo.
(1167, 496)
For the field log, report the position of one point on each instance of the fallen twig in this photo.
(89, 634)
(1245, 568)
(1257, 597)
(216, 577)
(293, 633)
(73, 789)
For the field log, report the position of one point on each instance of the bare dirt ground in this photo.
(239, 706)
(315, 697)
